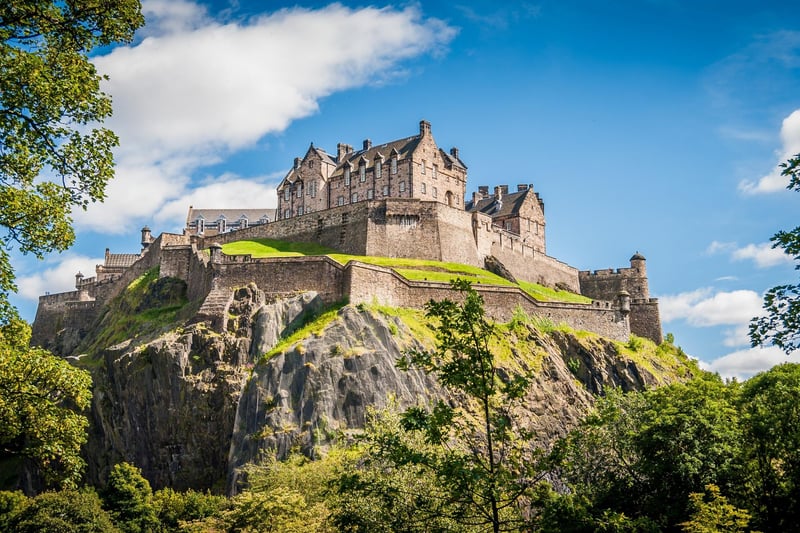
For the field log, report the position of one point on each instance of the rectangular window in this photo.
(508, 226)
(402, 186)
(435, 193)
(299, 190)
(422, 170)
(378, 168)
(386, 190)
(347, 175)
(362, 173)
(354, 199)
(287, 213)
(394, 165)
(370, 194)
(287, 193)
(422, 187)
(340, 200)
(300, 210)
(433, 171)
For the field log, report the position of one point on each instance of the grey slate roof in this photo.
(404, 148)
(231, 215)
(120, 260)
(510, 204)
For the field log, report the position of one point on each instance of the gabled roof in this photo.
(120, 260)
(404, 148)
(509, 205)
(252, 215)
(450, 158)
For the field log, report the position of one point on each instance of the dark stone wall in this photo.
(646, 320)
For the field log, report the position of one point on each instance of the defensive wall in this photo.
(416, 229)
(74, 312)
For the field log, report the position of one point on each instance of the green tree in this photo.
(174, 508)
(41, 399)
(711, 513)
(770, 404)
(485, 461)
(53, 158)
(129, 498)
(642, 454)
(781, 323)
(68, 511)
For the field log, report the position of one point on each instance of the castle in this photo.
(405, 199)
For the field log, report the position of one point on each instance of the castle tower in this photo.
(638, 286)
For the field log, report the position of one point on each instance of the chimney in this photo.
(498, 193)
(521, 187)
(483, 190)
(296, 162)
(424, 128)
(476, 197)
(454, 152)
(367, 144)
(342, 150)
(504, 189)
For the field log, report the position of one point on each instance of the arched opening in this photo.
(449, 198)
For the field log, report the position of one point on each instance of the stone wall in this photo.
(646, 319)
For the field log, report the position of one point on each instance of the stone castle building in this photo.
(405, 198)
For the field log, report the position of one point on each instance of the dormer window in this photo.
(201, 225)
(221, 225)
(243, 222)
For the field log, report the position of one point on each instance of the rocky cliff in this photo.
(189, 392)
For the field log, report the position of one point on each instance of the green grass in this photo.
(410, 269)
(313, 326)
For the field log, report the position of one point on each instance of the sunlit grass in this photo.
(410, 269)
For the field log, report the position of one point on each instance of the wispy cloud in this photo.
(194, 90)
(762, 254)
(500, 18)
(774, 181)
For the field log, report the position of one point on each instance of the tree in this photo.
(770, 405)
(781, 324)
(68, 511)
(41, 397)
(711, 513)
(52, 157)
(485, 459)
(129, 498)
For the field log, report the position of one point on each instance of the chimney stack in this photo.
(342, 150)
(424, 128)
(483, 190)
(498, 193)
(454, 152)
(521, 187)
(367, 144)
(296, 162)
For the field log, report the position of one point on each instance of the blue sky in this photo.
(652, 126)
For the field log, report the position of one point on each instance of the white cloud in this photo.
(195, 89)
(774, 181)
(763, 254)
(743, 364)
(58, 278)
(705, 308)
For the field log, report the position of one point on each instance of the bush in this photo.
(68, 511)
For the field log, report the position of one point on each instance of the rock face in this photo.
(190, 405)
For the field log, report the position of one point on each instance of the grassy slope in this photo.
(412, 269)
